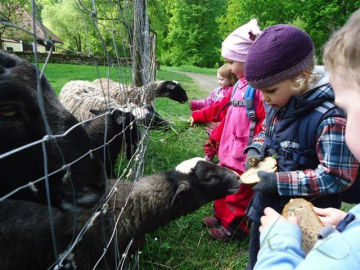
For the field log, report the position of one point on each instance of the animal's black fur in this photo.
(172, 90)
(150, 203)
(122, 133)
(21, 123)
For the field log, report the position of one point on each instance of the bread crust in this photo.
(309, 222)
(250, 177)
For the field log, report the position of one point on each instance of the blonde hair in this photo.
(342, 51)
(225, 71)
(305, 83)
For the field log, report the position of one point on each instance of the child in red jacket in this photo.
(235, 131)
(226, 80)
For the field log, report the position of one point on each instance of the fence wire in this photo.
(120, 14)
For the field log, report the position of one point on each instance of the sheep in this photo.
(143, 206)
(122, 131)
(145, 94)
(21, 123)
(80, 97)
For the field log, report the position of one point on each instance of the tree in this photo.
(193, 33)
(66, 21)
(8, 13)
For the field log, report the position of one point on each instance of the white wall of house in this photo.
(40, 48)
(17, 46)
(12, 46)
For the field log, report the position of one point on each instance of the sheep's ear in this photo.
(119, 117)
(184, 187)
(95, 112)
(171, 86)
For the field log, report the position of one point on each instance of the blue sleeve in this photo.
(280, 247)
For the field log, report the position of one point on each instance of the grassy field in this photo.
(184, 243)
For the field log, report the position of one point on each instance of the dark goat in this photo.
(21, 123)
(144, 206)
(122, 133)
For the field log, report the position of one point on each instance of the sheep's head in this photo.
(172, 90)
(121, 128)
(148, 117)
(21, 123)
(204, 181)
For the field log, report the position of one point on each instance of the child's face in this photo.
(236, 67)
(223, 82)
(347, 97)
(279, 94)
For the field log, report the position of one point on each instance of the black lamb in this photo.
(142, 207)
(79, 185)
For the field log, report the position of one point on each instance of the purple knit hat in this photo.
(279, 53)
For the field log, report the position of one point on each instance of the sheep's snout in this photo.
(233, 179)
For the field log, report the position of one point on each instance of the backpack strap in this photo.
(248, 103)
(249, 98)
(307, 155)
(307, 134)
(230, 102)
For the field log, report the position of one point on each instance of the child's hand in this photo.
(330, 216)
(270, 216)
(192, 121)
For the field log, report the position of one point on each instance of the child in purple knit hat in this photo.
(304, 129)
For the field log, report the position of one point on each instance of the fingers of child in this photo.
(191, 121)
(293, 219)
(322, 211)
(271, 212)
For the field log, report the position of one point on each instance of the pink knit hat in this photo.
(237, 44)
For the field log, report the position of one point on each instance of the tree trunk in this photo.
(141, 45)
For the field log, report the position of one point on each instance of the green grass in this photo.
(59, 74)
(184, 243)
(187, 68)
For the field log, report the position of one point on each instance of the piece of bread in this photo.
(268, 164)
(309, 222)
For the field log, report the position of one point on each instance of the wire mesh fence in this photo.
(51, 169)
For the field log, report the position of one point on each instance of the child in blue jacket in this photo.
(304, 130)
(340, 249)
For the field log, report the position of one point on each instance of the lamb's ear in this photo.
(119, 117)
(183, 187)
(95, 112)
(170, 86)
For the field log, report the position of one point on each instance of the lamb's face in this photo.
(150, 118)
(21, 123)
(207, 180)
(213, 181)
(174, 91)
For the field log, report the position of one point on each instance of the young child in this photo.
(340, 249)
(235, 129)
(226, 80)
(313, 160)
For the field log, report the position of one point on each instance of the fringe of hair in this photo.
(303, 83)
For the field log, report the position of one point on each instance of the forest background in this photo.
(190, 32)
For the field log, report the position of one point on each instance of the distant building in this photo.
(13, 39)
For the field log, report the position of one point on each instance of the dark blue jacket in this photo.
(292, 149)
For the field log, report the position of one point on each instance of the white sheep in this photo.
(80, 97)
(145, 94)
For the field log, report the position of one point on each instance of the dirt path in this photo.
(206, 82)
